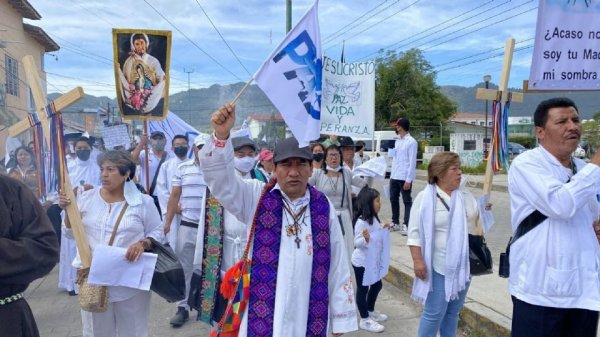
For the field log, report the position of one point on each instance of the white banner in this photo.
(377, 262)
(291, 78)
(566, 54)
(348, 98)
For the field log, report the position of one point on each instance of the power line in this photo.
(192, 42)
(435, 26)
(478, 29)
(355, 23)
(478, 54)
(380, 21)
(94, 14)
(222, 38)
(483, 59)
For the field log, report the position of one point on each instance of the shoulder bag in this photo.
(95, 298)
(480, 257)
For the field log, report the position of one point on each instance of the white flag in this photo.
(171, 126)
(291, 78)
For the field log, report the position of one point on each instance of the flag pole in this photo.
(242, 91)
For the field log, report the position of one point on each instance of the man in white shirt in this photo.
(187, 195)
(179, 146)
(158, 155)
(297, 247)
(555, 266)
(404, 166)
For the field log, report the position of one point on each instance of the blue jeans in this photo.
(439, 315)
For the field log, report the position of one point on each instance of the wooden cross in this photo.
(503, 95)
(59, 104)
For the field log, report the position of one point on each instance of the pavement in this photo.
(487, 310)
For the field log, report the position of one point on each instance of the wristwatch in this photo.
(147, 245)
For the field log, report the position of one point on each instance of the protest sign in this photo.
(348, 98)
(114, 136)
(566, 53)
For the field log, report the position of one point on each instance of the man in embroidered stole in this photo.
(300, 280)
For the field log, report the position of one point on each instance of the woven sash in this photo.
(211, 258)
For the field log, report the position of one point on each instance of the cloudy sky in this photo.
(462, 39)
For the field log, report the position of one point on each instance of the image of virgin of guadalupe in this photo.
(142, 81)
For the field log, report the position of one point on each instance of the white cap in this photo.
(201, 139)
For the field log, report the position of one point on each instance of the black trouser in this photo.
(396, 188)
(53, 213)
(537, 321)
(366, 296)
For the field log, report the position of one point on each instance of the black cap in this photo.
(404, 123)
(239, 142)
(347, 142)
(289, 148)
(157, 133)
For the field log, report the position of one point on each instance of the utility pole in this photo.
(188, 72)
(288, 16)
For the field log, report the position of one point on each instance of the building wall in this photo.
(461, 142)
(17, 107)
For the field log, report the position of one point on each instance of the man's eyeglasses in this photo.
(333, 155)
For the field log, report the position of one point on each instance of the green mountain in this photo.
(196, 106)
(587, 102)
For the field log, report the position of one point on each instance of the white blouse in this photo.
(99, 218)
(440, 230)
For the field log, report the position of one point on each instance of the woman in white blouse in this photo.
(128, 308)
(440, 220)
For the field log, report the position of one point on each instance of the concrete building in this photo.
(18, 39)
(466, 139)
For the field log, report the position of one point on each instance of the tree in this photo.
(591, 134)
(405, 87)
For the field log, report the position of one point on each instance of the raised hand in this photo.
(223, 120)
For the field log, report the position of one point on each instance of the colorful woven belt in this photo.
(11, 299)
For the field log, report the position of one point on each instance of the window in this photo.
(469, 145)
(12, 75)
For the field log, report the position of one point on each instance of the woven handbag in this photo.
(95, 298)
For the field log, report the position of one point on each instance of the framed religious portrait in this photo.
(142, 59)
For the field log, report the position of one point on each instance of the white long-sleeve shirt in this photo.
(240, 197)
(556, 264)
(404, 161)
(361, 246)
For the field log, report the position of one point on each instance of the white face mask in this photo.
(132, 195)
(244, 164)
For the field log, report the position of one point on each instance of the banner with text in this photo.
(348, 98)
(566, 54)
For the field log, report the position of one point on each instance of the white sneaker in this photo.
(377, 316)
(370, 325)
(404, 230)
(394, 227)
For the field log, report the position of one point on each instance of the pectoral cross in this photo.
(59, 104)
